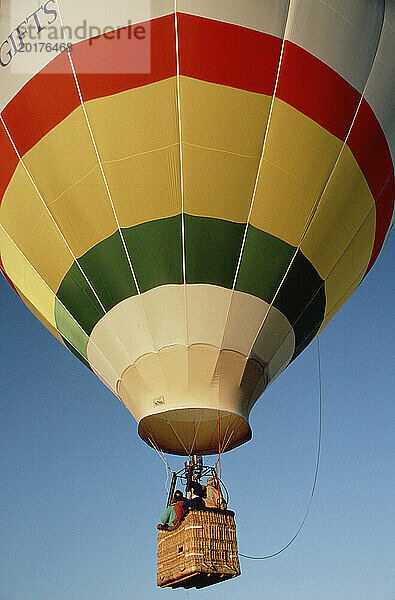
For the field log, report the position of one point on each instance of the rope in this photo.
(163, 458)
(196, 431)
(315, 474)
(177, 436)
(228, 440)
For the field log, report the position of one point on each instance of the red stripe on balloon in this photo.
(9, 161)
(369, 146)
(316, 90)
(105, 65)
(384, 212)
(42, 108)
(228, 54)
(41, 104)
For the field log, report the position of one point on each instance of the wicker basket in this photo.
(200, 552)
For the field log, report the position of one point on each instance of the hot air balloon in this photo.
(190, 191)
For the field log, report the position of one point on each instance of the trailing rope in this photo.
(315, 474)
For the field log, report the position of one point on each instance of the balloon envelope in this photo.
(191, 190)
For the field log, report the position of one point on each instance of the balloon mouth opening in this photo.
(187, 431)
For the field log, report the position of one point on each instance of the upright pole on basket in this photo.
(189, 472)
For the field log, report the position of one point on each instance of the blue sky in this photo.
(81, 493)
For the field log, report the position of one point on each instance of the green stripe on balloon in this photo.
(73, 336)
(155, 249)
(156, 253)
(264, 264)
(212, 248)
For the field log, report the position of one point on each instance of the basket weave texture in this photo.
(200, 552)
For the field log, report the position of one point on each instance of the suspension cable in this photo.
(316, 469)
(164, 459)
